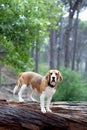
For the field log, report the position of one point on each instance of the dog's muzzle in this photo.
(53, 83)
(53, 80)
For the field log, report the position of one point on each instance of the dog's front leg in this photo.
(42, 102)
(48, 104)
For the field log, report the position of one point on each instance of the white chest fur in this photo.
(49, 92)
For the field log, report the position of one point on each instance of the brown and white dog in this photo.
(45, 86)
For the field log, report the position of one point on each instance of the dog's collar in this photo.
(50, 85)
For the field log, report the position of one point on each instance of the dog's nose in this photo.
(53, 78)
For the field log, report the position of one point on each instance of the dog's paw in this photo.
(49, 110)
(43, 110)
(34, 100)
(21, 100)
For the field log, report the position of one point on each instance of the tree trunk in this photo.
(77, 64)
(75, 40)
(86, 66)
(36, 57)
(58, 57)
(32, 50)
(59, 42)
(27, 116)
(72, 8)
(66, 41)
(52, 51)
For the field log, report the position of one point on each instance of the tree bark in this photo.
(36, 57)
(75, 40)
(86, 66)
(52, 51)
(27, 116)
(32, 50)
(78, 64)
(59, 42)
(66, 42)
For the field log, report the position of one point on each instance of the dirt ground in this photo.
(6, 93)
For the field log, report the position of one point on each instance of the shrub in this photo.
(72, 88)
(43, 68)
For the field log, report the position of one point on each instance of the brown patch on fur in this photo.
(47, 77)
(60, 78)
(33, 79)
(36, 82)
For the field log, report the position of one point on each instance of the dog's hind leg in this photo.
(31, 92)
(16, 87)
(23, 87)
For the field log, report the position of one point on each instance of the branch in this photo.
(74, 7)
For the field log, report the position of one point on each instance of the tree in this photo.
(73, 5)
(75, 39)
(52, 44)
(36, 57)
(24, 23)
(59, 35)
(81, 50)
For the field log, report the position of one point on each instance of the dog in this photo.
(45, 86)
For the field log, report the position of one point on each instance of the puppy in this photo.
(45, 86)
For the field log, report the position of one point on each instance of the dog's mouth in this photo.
(53, 83)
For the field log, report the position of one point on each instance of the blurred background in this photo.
(39, 35)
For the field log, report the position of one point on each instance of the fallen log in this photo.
(27, 116)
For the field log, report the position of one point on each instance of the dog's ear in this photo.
(59, 77)
(47, 76)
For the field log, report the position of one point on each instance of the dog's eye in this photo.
(56, 73)
(50, 73)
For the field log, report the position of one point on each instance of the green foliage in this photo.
(72, 88)
(82, 25)
(43, 68)
(24, 23)
(20, 60)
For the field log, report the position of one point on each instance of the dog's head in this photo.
(53, 76)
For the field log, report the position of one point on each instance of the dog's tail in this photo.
(17, 85)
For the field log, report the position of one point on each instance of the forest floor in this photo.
(6, 93)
